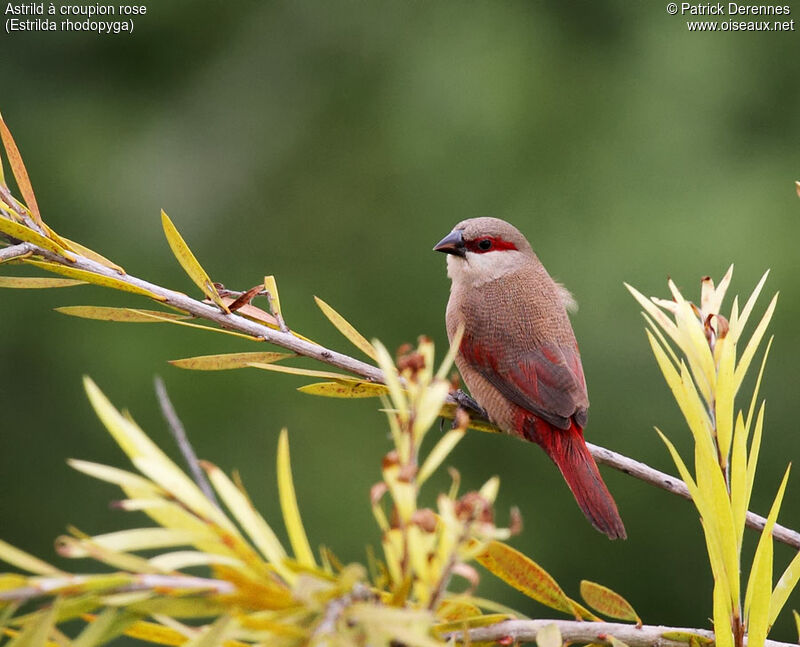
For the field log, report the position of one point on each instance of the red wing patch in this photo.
(547, 381)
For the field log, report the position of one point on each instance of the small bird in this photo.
(518, 353)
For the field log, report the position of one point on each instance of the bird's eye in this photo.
(485, 244)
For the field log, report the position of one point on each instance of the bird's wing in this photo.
(548, 380)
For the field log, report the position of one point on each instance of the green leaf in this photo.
(20, 173)
(189, 263)
(228, 361)
(608, 602)
(525, 575)
(31, 282)
(126, 315)
(344, 327)
(345, 389)
(291, 513)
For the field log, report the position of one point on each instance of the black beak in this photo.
(453, 243)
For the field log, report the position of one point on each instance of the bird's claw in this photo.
(468, 404)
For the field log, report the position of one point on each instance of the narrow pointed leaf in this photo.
(89, 253)
(214, 635)
(288, 499)
(755, 340)
(36, 282)
(126, 315)
(759, 585)
(439, 452)
(159, 317)
(228, 361)
(189, 263)
(250, 520)
(345, 389)
(525, 575)
(19, 171)
(25, 562)
(271, 286)
(294, 370)
(28, 235)
(783, 589)
(608, 602)
(94, 633)
(344, 327)
(96, 279)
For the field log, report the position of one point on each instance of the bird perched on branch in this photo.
(518, 353)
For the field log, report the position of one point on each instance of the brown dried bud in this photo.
(515, 523)
(403, 349)
(390, 460)
(425, 519)
(461, 419)
(377, 491)
(412, 362)
(455, 381)
(473, 507)
(407, 473)
(723, 326)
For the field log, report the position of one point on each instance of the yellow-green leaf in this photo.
(288, 499)
(345, 389)
(783, 589)
(344, 327)
(37, 630)
(608, 602)
(439, 452)
(35, 282)
(19, 171)
(759, 585)
(213, 635)
(95, 631)
(797, 615)
(189, 263)
(249, 518)
(549, 636)
(294, 370)
(126, 315)
(96, 279)
(25, 562)
(687, 637)
(271, 286)
(90, 254)
(28, 235)
(228, 361)
(525, 575)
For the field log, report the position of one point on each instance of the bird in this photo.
(518, 354)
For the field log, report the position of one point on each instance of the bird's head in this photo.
(484, 249)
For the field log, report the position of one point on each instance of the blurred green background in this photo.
(333, 144)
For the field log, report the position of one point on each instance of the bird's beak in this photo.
(453, 243)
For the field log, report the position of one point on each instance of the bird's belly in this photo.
(502, 413)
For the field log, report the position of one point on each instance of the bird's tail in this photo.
(569, 452)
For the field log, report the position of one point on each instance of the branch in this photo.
(587, 632)
(16, 251)
(178, 432)
(287, 340)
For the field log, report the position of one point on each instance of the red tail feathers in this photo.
(569, 452)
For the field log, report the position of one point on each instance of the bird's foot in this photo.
(468, 404)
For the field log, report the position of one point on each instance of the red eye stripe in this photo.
(496, 244)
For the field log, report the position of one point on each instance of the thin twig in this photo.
(369, 372)
(15, 251)
(178, 432)
(587, 632)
